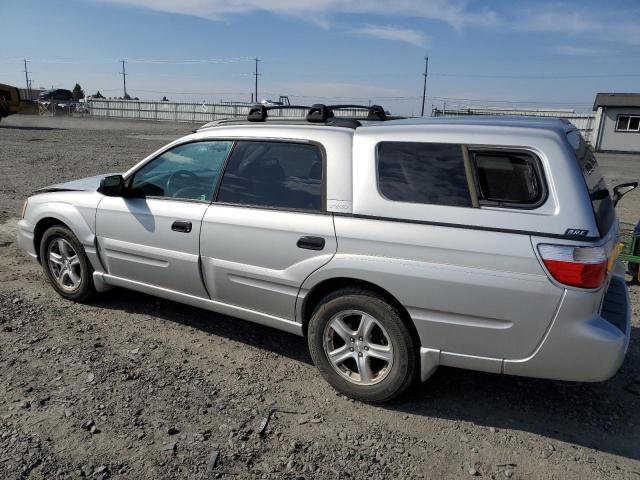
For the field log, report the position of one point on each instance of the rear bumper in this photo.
(573, 349)
(582, 350)
(25, 237)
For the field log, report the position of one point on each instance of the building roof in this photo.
(617, 100)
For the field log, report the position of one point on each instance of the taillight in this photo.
(584, 267)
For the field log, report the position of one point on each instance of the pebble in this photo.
(473, 472)
(173, 430)
(100, 469)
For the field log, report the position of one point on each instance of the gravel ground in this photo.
(131, 386)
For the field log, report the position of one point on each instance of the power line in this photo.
(538, 77)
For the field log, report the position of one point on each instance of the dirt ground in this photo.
(131, 386)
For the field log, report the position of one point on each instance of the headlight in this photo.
(24, 207)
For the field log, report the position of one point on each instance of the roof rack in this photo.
(317, 113)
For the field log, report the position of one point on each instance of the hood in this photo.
(89, 184)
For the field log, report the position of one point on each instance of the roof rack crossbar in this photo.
(258, 113)
(374, 112)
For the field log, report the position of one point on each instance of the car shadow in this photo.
(602, 416)
(231, 328)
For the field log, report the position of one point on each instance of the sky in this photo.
(548, 54)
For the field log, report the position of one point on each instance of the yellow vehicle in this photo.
(10, 101)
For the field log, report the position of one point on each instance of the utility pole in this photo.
(424, 87)
(124, 79)
(256, 75)
(26, 77)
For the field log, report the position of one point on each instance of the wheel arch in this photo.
(42, 226)
(319, 291)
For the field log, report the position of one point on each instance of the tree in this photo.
(165, 99)
(78, 93)
(97, 95)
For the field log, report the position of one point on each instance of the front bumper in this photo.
(26, 233)
(581, 350)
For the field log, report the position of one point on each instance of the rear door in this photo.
(268, 228)
(152, 235)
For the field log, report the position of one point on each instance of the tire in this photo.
(60, 252)
(336, 326)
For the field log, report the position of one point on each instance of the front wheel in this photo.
(66, 265)
(362, 347)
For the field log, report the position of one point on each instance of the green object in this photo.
(629, 245)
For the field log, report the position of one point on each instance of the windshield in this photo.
(598, 192)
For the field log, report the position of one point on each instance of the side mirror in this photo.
(621, 190)
(112, 186)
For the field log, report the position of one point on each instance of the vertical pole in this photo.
(124, 79)
(26, 77)
(256, 75)
(424, 86)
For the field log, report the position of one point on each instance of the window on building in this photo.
(628, 123)
(273, 174)
(415, 172)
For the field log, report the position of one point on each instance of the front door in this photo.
(152, 234)
(268, 230)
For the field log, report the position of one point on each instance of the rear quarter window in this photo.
(508, 179)
(429, 173)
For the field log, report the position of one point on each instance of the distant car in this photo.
(393, 246)
(57, 95)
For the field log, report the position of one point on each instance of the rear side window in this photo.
(508, 179)
(598, 192)
(416, 172)
(274, 175)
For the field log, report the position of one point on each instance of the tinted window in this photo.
(598, 192)
(511, 179)
(430, 173)
(274, 174)
(187, 171)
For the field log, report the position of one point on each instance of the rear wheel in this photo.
(66, 265)
(362, 347)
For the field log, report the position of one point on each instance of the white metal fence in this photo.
(582, 121)
(208, 112)
(189, 112)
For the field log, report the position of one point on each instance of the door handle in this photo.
(311, 243)
(182, 226)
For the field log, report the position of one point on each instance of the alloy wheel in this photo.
(64, 264)
(358, 347)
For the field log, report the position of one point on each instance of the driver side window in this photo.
(188, 171)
